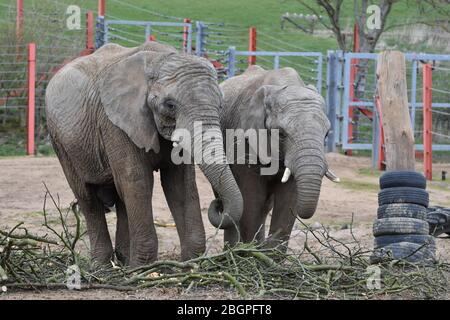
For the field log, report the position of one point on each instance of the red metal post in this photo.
(252, 45)
(31, 98)
(185, 35)
(427, 121)
(381, 148)
(19, 20)
(101, 8)
(353, 73)
(90, 31)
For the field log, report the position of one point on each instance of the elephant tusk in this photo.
(330, 175)
(176, 140)
(286, 175)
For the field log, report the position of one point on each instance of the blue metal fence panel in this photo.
(333, 97)
(200, 38)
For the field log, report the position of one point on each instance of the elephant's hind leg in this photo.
(97, 229)
(109, 197)
(91, 207)
(122, 247)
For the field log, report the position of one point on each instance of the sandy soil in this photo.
(22, 197)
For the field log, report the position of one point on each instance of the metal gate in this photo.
(358, 118)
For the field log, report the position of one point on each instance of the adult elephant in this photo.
(111, 116)
(276, 99)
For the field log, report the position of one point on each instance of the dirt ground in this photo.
(22, 197)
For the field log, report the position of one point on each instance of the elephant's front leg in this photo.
(136, 192)
(283, 215)
(180, 189)
(254, 192)
(133, 178)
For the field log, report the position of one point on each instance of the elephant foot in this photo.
(123, 255)
(143, 257)
(102, 258)
(191, 252)
(232, 237)
(139, 262)
(276, 244)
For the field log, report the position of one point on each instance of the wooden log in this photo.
(392, 90)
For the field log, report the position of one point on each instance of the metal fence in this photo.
(134, 33)
(315, 64)
(355, 119)
(348, 80)
(56, 46)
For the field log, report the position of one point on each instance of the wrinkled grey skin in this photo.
(277, 99)
(111, 116)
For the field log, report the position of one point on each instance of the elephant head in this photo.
(298, 112)
(150, 94)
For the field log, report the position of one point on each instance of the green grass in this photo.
(359, 185)
(45, 150)
(264, 14)
(370, 172)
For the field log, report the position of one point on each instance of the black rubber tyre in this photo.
(412, 179)
(406, 210)
(393, 226)
(403, 195)
(382, 241)
(411, 252)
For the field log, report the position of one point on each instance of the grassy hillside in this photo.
(264, 14)
(45, 23)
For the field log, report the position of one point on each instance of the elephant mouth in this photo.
(167, 131)
(167, 126)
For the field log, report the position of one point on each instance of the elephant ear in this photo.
(254, 116)
(311, 87)
(260, 105)
(123, 91)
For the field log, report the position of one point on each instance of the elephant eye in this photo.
(169, 104)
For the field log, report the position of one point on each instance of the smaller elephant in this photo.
(276, 99)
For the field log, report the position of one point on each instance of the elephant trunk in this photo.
(308, 190)
(224, 212)
(308, 170)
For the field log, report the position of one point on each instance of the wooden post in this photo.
(392, 90)
(90, 31)
(31, 98)
(427, 121)
(252, 45)
(186, 35)
(101, 8)
(19, 20)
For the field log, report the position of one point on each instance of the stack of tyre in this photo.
(401, 229)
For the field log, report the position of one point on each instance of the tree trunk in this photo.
(398, 134)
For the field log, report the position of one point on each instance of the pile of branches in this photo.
(336, 270)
